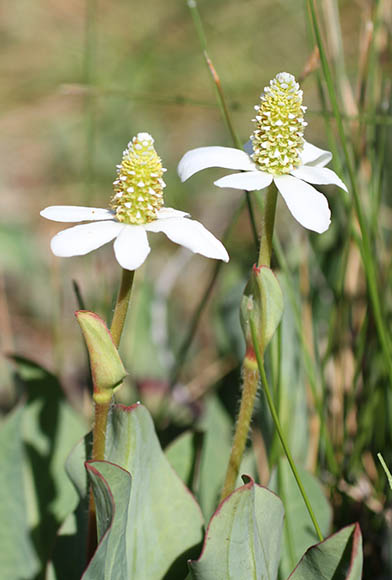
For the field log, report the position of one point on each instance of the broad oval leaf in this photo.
(243, 537)
(164, 524)
(299, 531)
(339, 557)
(164, 520)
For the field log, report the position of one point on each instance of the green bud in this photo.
(262, 303)
(106, 366)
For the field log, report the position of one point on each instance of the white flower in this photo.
(137, 208)
(277, 153)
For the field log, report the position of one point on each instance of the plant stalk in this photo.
(267, 227)
(250, 373)
(250, 378)
(121, 308)
(278, 427)
(102, 406)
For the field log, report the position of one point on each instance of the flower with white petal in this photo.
(278, 153)
(136, 208)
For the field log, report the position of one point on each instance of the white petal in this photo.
(192, 235)
(249, 180)
(318, 175)
(75, 213)
(312, 155)
(131, 247)
(204, 157)
(82, 239)
(307, 205)
(169, 212)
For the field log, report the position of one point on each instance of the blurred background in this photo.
(79, 79)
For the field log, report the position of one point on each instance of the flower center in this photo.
(278, 137)
(138, 188)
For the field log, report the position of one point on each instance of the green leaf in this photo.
(243, 537)
(339, 557)
(107, 368)
(164, 520)
(112, 490)
(18, 560)
(299, 533)
(50, 428)
(164, 524)
(385, 468)
(183, 454)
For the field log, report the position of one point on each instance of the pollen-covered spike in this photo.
(138, 189)
(278, 139)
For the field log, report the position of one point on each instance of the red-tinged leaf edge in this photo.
(249, 483)
(91, 469)
(356, 540)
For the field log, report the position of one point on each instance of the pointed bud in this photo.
(262, 303)
(107, 370)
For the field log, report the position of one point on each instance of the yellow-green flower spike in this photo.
(138, 188)
(278, 138)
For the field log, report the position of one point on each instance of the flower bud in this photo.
(262, 303)
(107, 370)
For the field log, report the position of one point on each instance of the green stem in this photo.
(267, 228)
(248, 398)
(121, 308)
(250, 373)
(101, 411)
(278, 427)
(102, 407)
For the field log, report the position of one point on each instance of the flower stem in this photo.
(121, 308)
(278, 427)
(249, 391)
(267, 228)
(250, 373)
(102, 407)
(101, 412)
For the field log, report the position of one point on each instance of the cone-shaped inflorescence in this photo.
(138, 188)
(278, 137)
